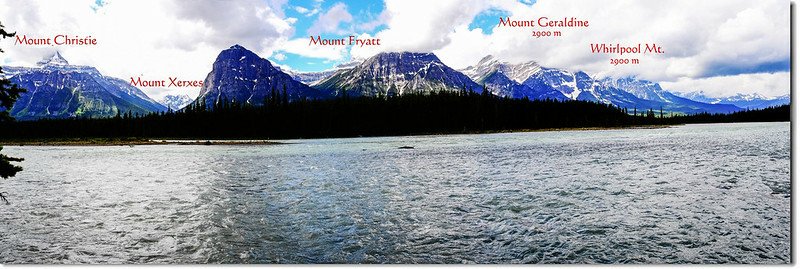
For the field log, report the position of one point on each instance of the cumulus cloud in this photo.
(174, 38)
(411, 28)
(246, 22)
(766, 84)
(713, 44)
(300, 46)
(696, 39)
(701, 39)
(371, 25)
(301, 10)
(308, 12)
(329, 21)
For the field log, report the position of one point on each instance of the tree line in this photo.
(345, 116)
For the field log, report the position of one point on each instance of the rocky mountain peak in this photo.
(53, 60)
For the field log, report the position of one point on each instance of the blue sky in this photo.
(488, 19)
(308, 12)
(363, 12)
(725, 46)
(365, 18)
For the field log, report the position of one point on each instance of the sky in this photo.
(720, 47)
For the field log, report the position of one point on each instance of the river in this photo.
(706, 193)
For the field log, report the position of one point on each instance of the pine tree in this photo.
(284, 97)
(273, 98)
(9, 92)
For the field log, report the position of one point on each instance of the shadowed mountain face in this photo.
(56, 89)
(242, 76)
(397, 73)
(239, 75)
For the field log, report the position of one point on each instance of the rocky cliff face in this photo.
(530, 80)
(397, 73)
(240, 75)
(508, 80)
(56, 89)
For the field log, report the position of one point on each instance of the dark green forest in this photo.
(437, 113)
(777, 113)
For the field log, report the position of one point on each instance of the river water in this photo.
(716, 193)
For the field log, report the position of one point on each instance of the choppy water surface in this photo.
(690, 194)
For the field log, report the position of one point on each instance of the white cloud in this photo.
(766, 84)
(279, 57)
(411, 28)
(329, 21)
(275, 5)
(302, 10)
(314, 10)
(309, 12)
(371, 25)
(174, 38)
(301, 47)
(701, 39)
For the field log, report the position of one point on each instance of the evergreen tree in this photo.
(284, 97)
(9, 92)
(273, 97)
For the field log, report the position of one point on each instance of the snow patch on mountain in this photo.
(176, 102)
(56, 89)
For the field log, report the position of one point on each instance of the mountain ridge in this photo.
(240, 75)
(397, 73)
(56, 89)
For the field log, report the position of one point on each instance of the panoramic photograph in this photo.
(395, 132)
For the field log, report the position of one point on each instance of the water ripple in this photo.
(690, 194)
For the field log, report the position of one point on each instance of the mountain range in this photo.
(57, 89)
(531, 80)
(512, 80)
(746, 101)
(175, 102)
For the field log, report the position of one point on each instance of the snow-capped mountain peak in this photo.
(530, 80)
(743, 100)
(176, 102)
(312, 78)
(396, 73)
(747, 97)
(489, 64)
(57, 89)
(509, 80)
(54, 60)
